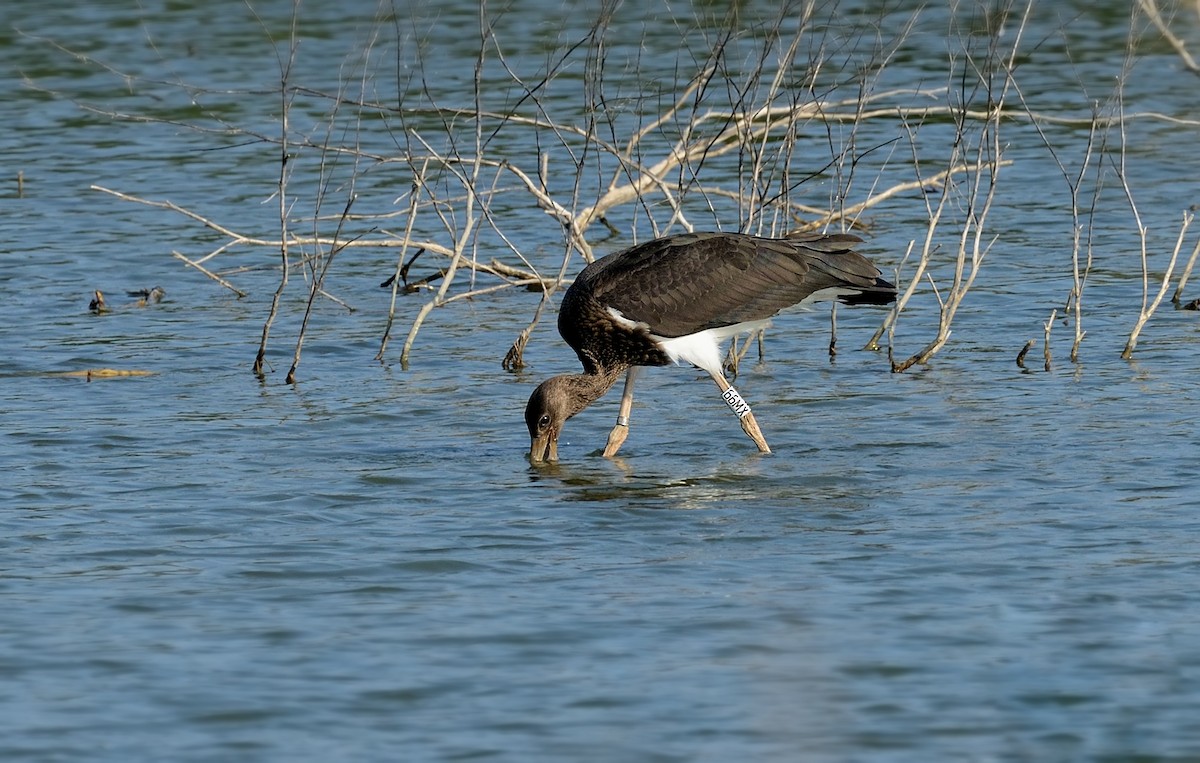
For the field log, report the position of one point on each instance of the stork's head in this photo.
(551, 404)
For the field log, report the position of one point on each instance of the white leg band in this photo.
(622, 421)
(740, 407)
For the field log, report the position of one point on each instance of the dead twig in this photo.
(1046, 342)
(1187, 272)
(1150, 8)
(979, 195)
(1025, 351)
(1148, 307)
(209, 273)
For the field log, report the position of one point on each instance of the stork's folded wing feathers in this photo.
(690, 283)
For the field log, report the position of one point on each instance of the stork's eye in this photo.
(544, 421)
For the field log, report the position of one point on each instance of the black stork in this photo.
(676, 299)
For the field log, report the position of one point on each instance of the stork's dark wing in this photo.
(687, 283)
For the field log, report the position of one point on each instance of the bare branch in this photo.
(209, 273)
(1150, 8)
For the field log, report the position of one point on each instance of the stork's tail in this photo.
(855, 277)
(879, 293)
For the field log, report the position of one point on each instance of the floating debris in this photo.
(144, 297)
(102, 373)
(148, 296)
(98, 305)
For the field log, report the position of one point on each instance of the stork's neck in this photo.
(587, 388)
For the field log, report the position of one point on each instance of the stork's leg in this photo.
(742, 409)
(616, 438)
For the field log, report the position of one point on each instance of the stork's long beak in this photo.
(544, 448)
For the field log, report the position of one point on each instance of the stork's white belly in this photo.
(703, 349)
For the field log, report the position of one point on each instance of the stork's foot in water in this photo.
(616, 438)
(750, 427)
(741, 409)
